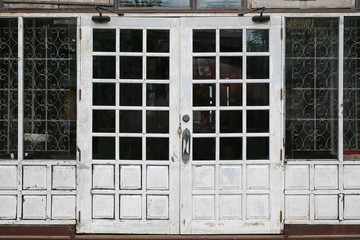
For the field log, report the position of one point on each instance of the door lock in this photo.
(186, 146)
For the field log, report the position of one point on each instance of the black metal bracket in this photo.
(101, 18)
(260, 18)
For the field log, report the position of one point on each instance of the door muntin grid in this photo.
(131, 105)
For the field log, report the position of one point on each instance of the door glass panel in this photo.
(131, 40)
(257, 148)
(204, 94)
(157, 68)
(257, 67)
(204, 40)
(230, 148)
(130, 67)
(204, 122)
(157, 148)
(130, 121)
(154, 3)
(8, 89)
(257, 94)
(257, 121)
(231, 40)
(130, 94)
(157, 121)
(199, 144)
(104, 67)
(204, 67)
(231, 121)
(104, 94)
(103, 148)
(131, 148)
(104, 40)
(219, 3)
(231, 94)
(158, 40)
(157, 95)
(230, 67)
(257, 40)
(103, 121)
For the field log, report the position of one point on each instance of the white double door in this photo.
(180, 126)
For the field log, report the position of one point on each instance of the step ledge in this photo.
(34, 237)
(169, 237)
(345, 236)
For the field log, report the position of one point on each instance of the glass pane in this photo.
(230, 121)
(50, 88)
(130, 67)
(130, 94)
(204, 40)
(130, 148)
(231, 40)
(154, 3)
(104, 67)
(103, 148)
(158, 40)
(311, 77)
(204, 67)
(157, 149)
(204, 122)
(230, 148)
(257, 94)
(257, 121)
(104, 94)
(157, 121)
(257, 67)
(204, 95)
(351, 89)
(8, 89)
(157, 68)
(199, 144)
(257, 40)
(157, 94)
(231, 94)
(103, 121)
(104, 40)
(131, 40)
(130, 121)
(230, 67)
(257, 148)
(219, 3)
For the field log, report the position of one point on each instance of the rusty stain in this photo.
(172, 159)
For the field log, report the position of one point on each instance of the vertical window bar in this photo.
(341, 89)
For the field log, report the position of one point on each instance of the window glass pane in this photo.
(219, 3)
(257, 40)
(257, 67)
(204, 40)
(104, 94)
(50, 88)
(104, 40)
(204, 95)
(351, 88)
(257, 94)
(158, 40)
(257, 121)
(131, 40)
(130, 121)
(104, 121)
(257, 148)
(157, 121)
(199, 144)
(157, 94)
(8, 89)
(311, 88)
(230, 67)
(230, 121)
(154, 3)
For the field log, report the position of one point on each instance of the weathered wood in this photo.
(302, 4)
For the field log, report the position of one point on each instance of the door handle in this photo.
(186, 145)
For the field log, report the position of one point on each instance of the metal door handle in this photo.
(186, 145)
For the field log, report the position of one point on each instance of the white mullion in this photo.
(144, 139)
(244, 172)
(217, 126)
(20, 112)
(48, 192)
(117, 186)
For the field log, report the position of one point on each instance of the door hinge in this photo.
(79, 216)
(79, 151)
(281, 217)
(281, 157)
(80, 94)
(80, 33)
(281, 94)
(281, 33)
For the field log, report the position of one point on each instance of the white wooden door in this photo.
(180, 126)
(231, 90)
(128, 121)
